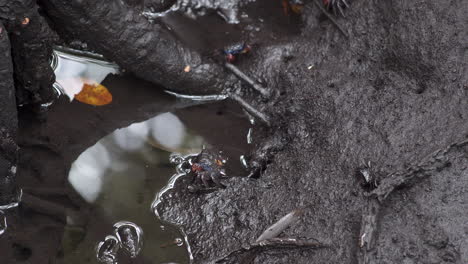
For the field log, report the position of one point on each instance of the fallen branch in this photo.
(266, 245)
(268, 241)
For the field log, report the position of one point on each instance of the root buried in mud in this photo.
(370, 217)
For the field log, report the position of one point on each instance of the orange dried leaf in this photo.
(94, 94)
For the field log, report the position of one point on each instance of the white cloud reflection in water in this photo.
(87, 171)
(165, 131)
(168, 130)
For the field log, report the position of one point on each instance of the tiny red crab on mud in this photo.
(232, 51)
(207, 168)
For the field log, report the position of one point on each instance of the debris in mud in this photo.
(94, 94)
(278, 227)
(268, 241)
(247, 254)
(368, 176)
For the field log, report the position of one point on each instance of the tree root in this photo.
(369, 225)
(147, 49)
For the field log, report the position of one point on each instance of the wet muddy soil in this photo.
(391, 94)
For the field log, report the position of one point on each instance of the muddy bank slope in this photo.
(392, 94)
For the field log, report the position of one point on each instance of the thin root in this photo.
(256, 113)
(248, 253)
(241, 75)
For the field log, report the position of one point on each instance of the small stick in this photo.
(241, 75)
(278, 227)
(331, 18)
(250, 109)
(369, 229)
(266, 245)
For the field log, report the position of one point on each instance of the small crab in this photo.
(334, 5)
(232, 51)
(208, 168)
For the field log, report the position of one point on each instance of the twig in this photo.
(316, 2)
(241, 75)
(270, 244)
(278, 227)
(369, 229)
(250, 109)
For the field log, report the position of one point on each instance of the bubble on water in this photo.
(243, 161)
(179, 242)
(106, 251)
(176, 158)
(3, 223)
(130, 237)
(249, 136)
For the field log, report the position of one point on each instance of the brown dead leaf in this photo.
(94, 94)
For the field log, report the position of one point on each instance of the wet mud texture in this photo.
(392, 94)
(8, 122)
(32, 40)
(48, 146)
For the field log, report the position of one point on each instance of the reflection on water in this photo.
(119, 176)
(73, 69)
(3, 223)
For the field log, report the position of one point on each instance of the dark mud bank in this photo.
(391, 95)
